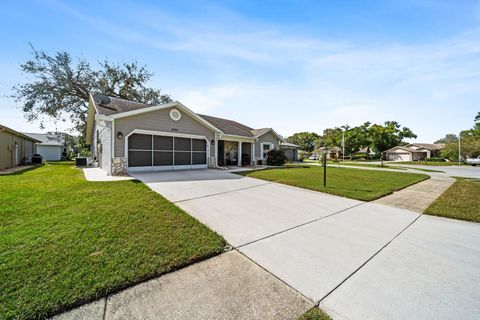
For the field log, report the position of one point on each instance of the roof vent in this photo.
(102, 99)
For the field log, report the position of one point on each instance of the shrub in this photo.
(246, 159)
(276, 158)
(436, 159)
(359, 156)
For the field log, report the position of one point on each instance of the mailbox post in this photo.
(324, 170)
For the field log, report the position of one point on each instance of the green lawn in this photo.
(426, 163)
(315, 314)
(64, 240)
(361, 164)
(460, 201)
(351, 183)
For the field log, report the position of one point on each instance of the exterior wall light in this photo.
(119, 135)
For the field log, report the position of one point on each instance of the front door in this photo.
(231, 153)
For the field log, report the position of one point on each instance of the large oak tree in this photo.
(58, 86)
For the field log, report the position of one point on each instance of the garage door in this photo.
(50, 153)
(394, 156)
(155, 152)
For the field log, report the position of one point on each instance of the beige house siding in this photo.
(8, 155)
(29, 148)
(5, 150)
(267, 137)
(159, 121)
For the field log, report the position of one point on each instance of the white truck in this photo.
(473, 161)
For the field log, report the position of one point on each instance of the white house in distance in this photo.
(414, 152)
(52, 145)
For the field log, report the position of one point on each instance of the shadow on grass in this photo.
(20, 172)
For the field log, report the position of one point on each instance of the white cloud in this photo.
(299, 81)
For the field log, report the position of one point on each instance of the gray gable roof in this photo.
(229, 126)
(17, 133)
(49, 139)
(430, 146)
(110, 106)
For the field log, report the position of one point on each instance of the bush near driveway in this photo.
(276, 158)
(352, 183)
(460, 201)
(315, 314)
(65, 241)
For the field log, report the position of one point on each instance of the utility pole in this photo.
(459, 150)
(343, 145)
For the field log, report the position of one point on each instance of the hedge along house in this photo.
(127, 136)
(16, 148)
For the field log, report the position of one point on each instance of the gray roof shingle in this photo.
(48, 138)
(228, 126)
(110, 105)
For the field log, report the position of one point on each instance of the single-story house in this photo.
(290, 149)
(332, 153)
(127, 136)
(414, 152)
(52, 145)
(16, 148)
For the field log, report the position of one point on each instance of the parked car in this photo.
(473, 161)
(314, 157)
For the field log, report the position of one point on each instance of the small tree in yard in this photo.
(276, 158)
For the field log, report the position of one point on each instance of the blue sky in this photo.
(290, 65)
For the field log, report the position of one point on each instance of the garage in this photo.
(149, 152)
(398, 156)
(50, 153)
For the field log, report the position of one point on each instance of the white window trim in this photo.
(272, 146)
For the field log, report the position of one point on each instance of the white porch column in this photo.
(252, 160)
(239, 153)
(216, 150)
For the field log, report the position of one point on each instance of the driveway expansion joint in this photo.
(300, 225)
(368, 260)
(315, 304)
(220, 193)
(105, 308)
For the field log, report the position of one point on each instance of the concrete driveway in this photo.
(336, 251)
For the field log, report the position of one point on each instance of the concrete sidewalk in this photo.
(418, 197)
(431, 271)
(228, 286)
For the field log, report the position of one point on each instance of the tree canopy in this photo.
(58, 86)
(449, 137)
(378, 137)
(469, 143)
(305, 140)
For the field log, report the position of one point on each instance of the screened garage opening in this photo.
(155, 152)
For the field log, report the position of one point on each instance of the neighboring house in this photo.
(290, 149)
(414, 152)
(16, 148)
(127, 136)
(52, 145)
(365, 151)
(332, 153)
